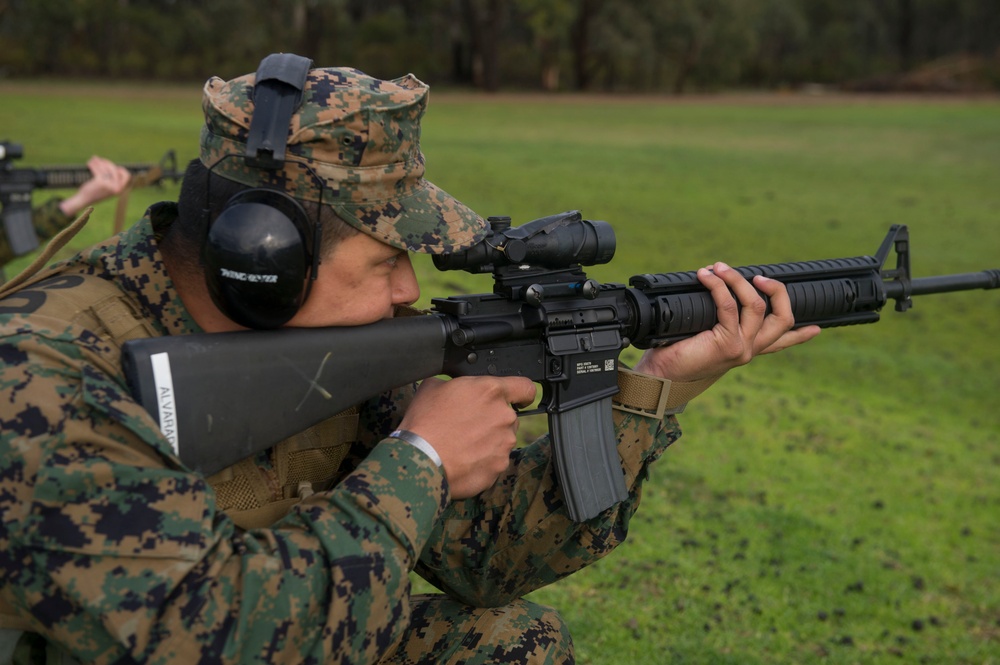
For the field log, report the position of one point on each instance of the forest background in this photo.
(674, 46)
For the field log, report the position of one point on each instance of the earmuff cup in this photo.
(257, 255)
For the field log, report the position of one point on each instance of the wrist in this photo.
(418, 442)
(660, 363)
(73, 205)
(67, 207)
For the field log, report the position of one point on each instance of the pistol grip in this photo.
(586, 455)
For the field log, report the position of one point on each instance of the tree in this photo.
(549, 22)
(634, 45)
(484, 21)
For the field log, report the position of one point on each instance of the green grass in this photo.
(836, 503)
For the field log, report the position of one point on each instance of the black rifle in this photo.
(222, 397)
(16, 186)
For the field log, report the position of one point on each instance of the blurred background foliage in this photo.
(671, 46)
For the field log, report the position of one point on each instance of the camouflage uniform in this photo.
(112, 551)
(48, 220)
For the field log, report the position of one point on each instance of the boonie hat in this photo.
(353, 144)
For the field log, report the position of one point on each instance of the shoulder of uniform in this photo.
(80, 308)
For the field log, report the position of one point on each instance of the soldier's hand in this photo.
(108, 179)
(471, 423)
(738, 337)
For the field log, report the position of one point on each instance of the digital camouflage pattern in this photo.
(354, 144)
(116, 552)
(442, 630)
(48, 220)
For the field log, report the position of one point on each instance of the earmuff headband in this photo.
(277, 94)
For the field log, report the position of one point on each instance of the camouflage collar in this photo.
(133, 260)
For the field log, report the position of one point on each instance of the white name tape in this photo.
(163, 383)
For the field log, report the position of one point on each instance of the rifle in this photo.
(16, 186)
(219, 398)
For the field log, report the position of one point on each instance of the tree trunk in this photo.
(491, 47)
(484, 29)
(688, 62)
(579, 36)
(906, 26)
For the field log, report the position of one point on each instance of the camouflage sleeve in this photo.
(517, 537)
(113, 550)
(49, 219)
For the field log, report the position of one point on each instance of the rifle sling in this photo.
(57, 242)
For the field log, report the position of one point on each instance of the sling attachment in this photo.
(651, 396)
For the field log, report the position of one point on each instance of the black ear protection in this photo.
(262, 252)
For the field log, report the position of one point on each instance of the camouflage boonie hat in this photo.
(355, 142)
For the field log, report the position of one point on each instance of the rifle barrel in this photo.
(967, 281)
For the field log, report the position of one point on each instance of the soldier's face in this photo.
(359, 282)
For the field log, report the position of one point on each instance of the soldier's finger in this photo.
(726, 310)
(518, 390)
(753, 306)
(781, 319)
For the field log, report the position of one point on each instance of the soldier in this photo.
(54, 215)
(112, 551)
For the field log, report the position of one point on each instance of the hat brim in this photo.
(427, 220)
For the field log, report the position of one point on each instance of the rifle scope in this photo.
(556, 241)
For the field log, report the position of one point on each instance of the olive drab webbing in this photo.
(255, 497)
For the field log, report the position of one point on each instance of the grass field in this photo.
(837, 503)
